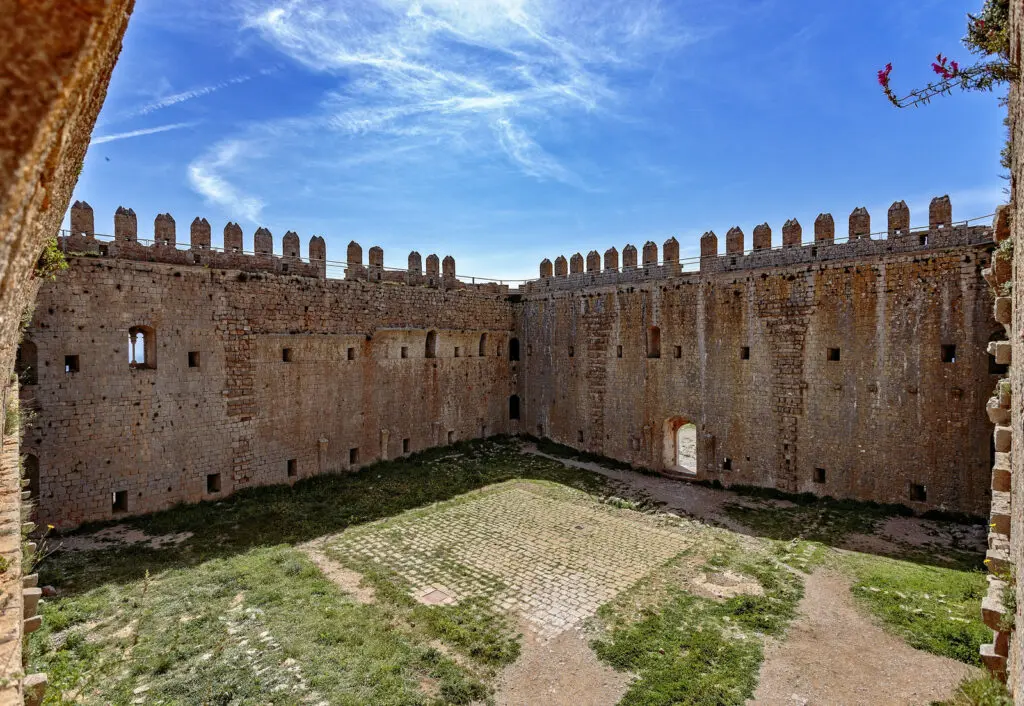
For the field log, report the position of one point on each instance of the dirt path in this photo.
(563, 671)
(835, 654)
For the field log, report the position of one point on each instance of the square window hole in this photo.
(832, 355)
(406, 446)
(213, 482)
(353, 455)
(293, 467)
(679, 351)
(948, 353)
(119, 501)
(193, 359)
(745, 353)
(71, 364)
(727, 464)
(351, 354)
(819, 475)
(405, 351)
(286, 355)
(918, 493)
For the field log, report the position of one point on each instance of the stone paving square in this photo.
(547, 553)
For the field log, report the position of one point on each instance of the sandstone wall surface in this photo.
(251, 371)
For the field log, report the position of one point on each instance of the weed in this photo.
(51, 260)
(980, 691)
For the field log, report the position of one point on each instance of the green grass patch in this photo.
(980, 691)
(261, 627)
(933, 608)
(691, 650)
(272, 515)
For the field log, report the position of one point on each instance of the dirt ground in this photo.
(835, 654)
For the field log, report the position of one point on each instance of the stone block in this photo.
(999, 516)
(31, 598)
(1003, 310)
(34, 688)
(997, 414)
(992, 608)
(1003, 437)
(1002, 351)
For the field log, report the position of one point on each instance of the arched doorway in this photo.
(681, 445)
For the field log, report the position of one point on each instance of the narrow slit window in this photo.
(431, 346)
(119, 501)
(832, 355)
(513, 407)
(483, 345)
(745, 353)
(679, 351)
(405, 351)
(618, 351)
(286, 355)
(653, 342)
(193, 359)
(293, 467)
(948, 353)
(458, 351)
(451, 437)
(572, 351)
(213, 483)
(727, 464)
(353, 455)
(513, 349)
(405, 446)
(350, 353)
(71, 364)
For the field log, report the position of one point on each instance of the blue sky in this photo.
(507, 131)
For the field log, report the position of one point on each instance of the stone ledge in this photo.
(1000, 514)
(992, 608)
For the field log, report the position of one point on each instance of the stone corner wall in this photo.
(56, 58)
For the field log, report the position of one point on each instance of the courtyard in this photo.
(511, 572)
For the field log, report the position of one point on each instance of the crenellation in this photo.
(593, 261)
(734, 241)
(263, 242)
(650, 253)
(546, 270)
(670, 251)
(82, 219)
(126, 225)
(611, 260)
(164, 231)
(199, 234)
(763, 237)
(576, 264)
(860, 223)
(233, 238)
(824, 228)
(793, 233)
(290, 247)
(317, 254)
(448, 267)
(940, 213)
(708, 246)
(899, 219)
(416, 264)
(561, 266)
(629, 257)
(433, 266)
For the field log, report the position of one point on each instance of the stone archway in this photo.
(680, 445)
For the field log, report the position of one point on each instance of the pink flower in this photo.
(883, 76)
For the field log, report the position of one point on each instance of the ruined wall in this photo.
(746, 353)
(254, 378)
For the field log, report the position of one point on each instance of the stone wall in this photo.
(863, 376)
(247, 378)
(55, 63)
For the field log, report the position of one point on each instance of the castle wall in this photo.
(159, 430)
(887, 421)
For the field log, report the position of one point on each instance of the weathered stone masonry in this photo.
(854, 369)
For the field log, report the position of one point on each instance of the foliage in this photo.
(932, 608)
(980, 691)
(988, 35)
(16, 418)
(692, 650)
(51, 260)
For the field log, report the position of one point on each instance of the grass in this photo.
(687, 649)
(932, 608)
(273, 515)
(980, 691)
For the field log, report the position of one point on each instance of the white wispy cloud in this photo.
(139, 133)
(204, 175)
(191, 94)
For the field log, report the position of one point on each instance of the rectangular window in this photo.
(193, 359)
(405, 351)
(832, 355)
(71, 364)
(351, 354)
(406, 446)
(745, 353)
(679, 351)
(293, 467)
(451, 437)
(572, 351)
(213, 483)
(353, 455)
(618, 351)
(529, 349)
(119, 501)
(918, 493)
(819, 475)
(458, 352)
(948, 353)
(579, 436)
(727, 464)
(286, 355)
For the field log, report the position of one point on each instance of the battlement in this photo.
(859, 243)
(125, 244)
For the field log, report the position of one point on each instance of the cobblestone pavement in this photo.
(548, 553)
